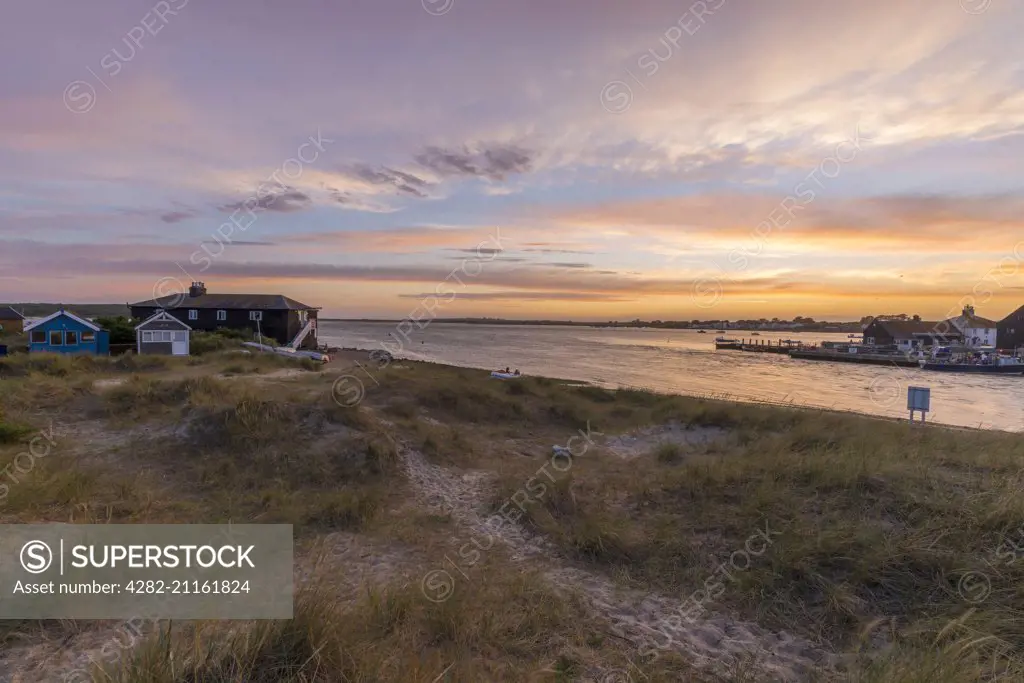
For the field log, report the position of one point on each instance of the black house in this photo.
(1010, 331)
(275, 317)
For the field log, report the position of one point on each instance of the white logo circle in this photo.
(39, 557)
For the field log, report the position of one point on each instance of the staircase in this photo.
(303, 333)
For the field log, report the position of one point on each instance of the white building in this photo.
(976, 331)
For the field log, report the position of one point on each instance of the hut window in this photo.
(255, 315)
(38, 337)
(193, 314)
(147, 336)
(71, 338)
(88, 337)
(56, 338)
(222, 316)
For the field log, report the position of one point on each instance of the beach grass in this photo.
(896, 547)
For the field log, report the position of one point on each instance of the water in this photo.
(686, 362)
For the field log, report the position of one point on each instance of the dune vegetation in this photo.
(440, 536)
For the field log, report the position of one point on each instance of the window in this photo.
(56, 338)
(38, 337)
(193, 314)
(88, 337)
(255, 315)
(147, 336)
(222, 316)
(180, 337)
(71, 338)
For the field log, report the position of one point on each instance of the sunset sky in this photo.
(584, 159)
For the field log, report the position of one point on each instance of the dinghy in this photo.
(505, 375)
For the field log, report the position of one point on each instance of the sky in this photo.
(573, 159)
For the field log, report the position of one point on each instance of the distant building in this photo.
(65, 332)
(11, 320)
(1010, 334)
(163, 334)
(974, 330)
(273, 316)
(910, 335)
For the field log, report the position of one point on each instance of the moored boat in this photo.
(1008, 366)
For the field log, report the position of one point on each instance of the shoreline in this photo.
(724, 397)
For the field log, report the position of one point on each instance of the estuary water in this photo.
(686, 362)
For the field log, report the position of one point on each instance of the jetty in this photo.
(897, 359)
(781, 346)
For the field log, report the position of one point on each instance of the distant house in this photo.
(11, 320)
(163, 334)
(975, 330)
(1010, 334)
(65, 332)
(909, 335)
(273, 316)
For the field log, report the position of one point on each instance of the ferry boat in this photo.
(1002, 365)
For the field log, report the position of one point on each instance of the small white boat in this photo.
(505, 375)
(289, 352)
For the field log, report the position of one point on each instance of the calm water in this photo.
(685, 362)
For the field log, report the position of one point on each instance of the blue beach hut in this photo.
(65, 332)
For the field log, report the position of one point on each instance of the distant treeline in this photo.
(84, 310)
(813, 326)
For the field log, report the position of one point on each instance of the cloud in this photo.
(564, 264)
(402, 182)
(493, 163)
(176, 216)
(514, 295)
(286, 201)
(557, 251)
(244, 243)
(916, 223)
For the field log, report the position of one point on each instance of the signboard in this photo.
(919, 398)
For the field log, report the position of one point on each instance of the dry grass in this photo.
(505, 627)
(873, 524)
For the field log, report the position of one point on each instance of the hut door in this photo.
(179, 344)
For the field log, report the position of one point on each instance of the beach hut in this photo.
(65, 332)
(163, 334)
(11, 320)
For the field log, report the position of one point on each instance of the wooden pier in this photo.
(758, 345)
(864, 358)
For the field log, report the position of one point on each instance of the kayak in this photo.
(504, 375)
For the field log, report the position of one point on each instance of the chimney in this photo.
(968, 310)
(197, 289)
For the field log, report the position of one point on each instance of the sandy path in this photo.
(716, 642)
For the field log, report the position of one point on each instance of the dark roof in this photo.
(251, 302)
(1013, 316)
(906, 329)
(976, 321)
(8, 313)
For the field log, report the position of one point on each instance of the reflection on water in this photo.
(685, 362)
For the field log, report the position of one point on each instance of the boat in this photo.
(702, 331)
(289, 352)
(755, 334)
(852, 336)
(720, 331)
(1003, 365)
(722, 343)
(505, 375)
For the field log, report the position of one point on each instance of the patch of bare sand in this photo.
(643, 441)
(650, 621)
